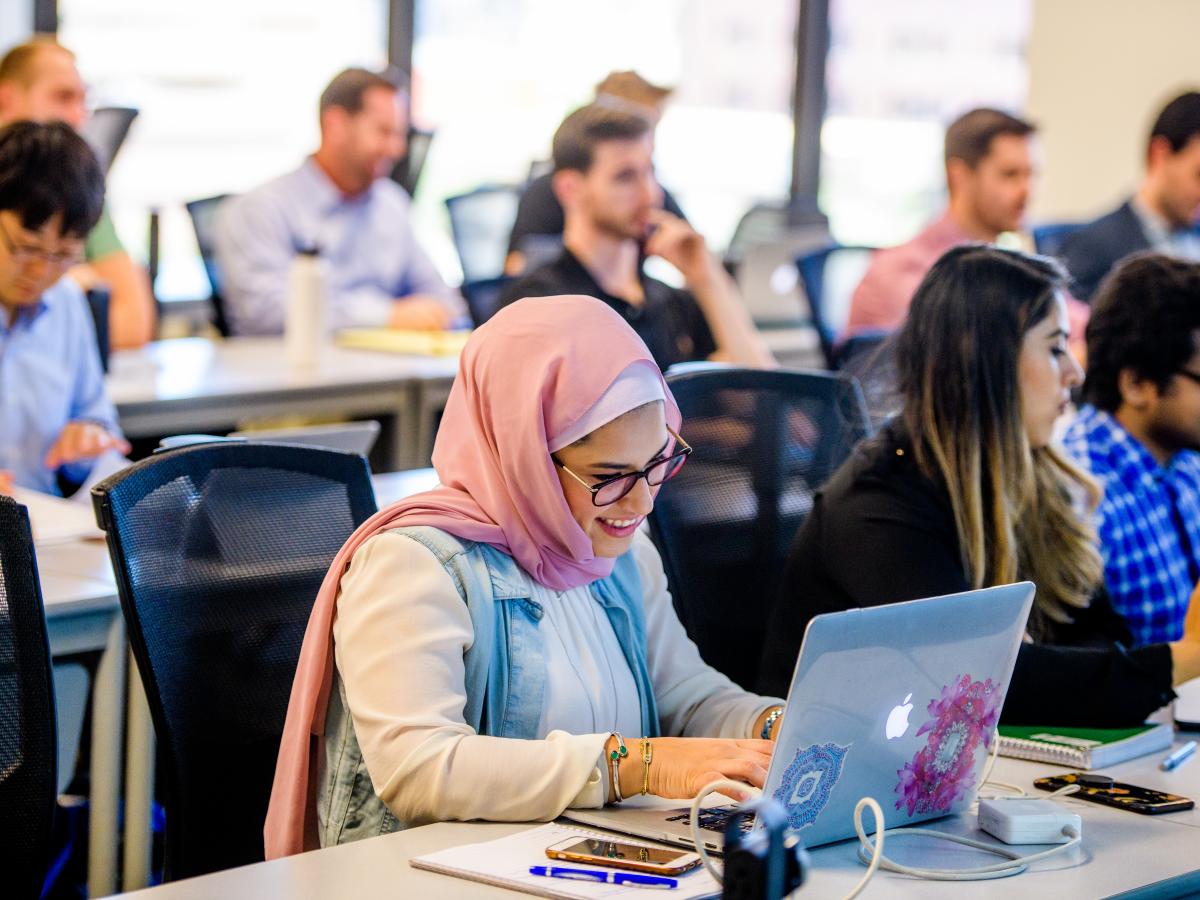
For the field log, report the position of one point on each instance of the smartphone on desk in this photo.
(618, 855)
(1102, 789)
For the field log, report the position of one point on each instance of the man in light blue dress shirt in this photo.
(55, 418)
(341, 202)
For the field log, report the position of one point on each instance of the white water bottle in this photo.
(304, 329)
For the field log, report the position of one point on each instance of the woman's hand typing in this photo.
(682, 766)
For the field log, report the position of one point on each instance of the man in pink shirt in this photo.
(989, 170)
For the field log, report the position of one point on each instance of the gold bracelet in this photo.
(647, 758)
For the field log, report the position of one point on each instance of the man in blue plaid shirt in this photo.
(1139, 434)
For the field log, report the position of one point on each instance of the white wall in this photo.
(16, 22)
(1100, 71)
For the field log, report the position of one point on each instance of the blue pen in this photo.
(1179, 756)
(632, 879)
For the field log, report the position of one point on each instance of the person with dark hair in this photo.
(342, 203)
(989, 175)
(539, 214)
(55, 418)
(40, 82)
(964, 489)
(1164, 213)
(1139, 435)
(604, 178)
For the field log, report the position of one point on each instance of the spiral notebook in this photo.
(505, 862)
(1083, 748)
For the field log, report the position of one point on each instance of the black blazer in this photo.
(1091, 252)
(881, 532)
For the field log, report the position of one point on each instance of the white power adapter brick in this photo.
(1027, 821)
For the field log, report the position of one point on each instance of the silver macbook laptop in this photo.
(895, 702)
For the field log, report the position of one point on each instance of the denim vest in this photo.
(505, 673)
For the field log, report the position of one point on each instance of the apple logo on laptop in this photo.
(897, 722)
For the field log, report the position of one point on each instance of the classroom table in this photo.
(1123, 854)
(83, 614)
(190, 385)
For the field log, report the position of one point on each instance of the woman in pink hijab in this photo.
(504, 646)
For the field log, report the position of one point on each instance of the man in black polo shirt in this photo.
(613, 220)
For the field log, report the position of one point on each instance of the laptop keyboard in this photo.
(715, 818)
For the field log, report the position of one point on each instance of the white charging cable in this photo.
(872, 853)
(1015, 865)
(741, 788)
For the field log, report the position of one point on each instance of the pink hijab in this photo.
(531, 373)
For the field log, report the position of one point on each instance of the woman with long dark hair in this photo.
(964, 489)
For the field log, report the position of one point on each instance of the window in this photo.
(494, 81)
(897, 73)
(227, 91)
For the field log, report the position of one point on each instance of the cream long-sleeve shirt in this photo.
(400, 631)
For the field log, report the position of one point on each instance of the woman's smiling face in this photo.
(628, 443)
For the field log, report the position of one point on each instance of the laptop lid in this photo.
(895, 702)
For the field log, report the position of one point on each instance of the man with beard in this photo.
(1139, 433)
(614, 220)
(989, 174)
(341, 203)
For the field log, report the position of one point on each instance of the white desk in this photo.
(1121, 852)
(196, 385)
(83, 614)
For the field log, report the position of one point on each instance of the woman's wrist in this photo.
(766, 726)
(1185, 661)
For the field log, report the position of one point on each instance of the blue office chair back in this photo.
(483, 297)
(1048, 239)
(764, 442)
(219, 551)
(28, 740)
(481, 222)
(203, 214)
(830, 274)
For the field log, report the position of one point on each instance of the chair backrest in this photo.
(98, 300)
(106, 130)
(219, 551)
(483, 296)
(764, 442)
(204, 221)
(1048, 239)
(28, 744)
(482, 221)
(407, 172)
(761, 223)
(830, 274)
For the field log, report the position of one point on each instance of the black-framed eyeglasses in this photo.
(1189, 375)
(608, 491)
(22, 253)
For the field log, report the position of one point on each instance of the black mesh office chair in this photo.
(28, 743)
(764, 442)
(219, 551)
(481, 222)
(204, 219)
